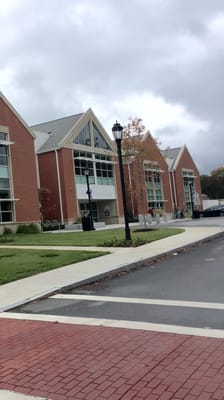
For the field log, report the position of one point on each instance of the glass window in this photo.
(84, 136)
(3, 155)
(6, 211)
(104, 170)
(85, 207)
(81, 165)
(156, 177)
(4, 188)
(99, 141)
(83, 154)
(153, 181)
(3, 136)
(4, 172)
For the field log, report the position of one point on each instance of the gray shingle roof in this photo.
(171, 155)
(55, 131)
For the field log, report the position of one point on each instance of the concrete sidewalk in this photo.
(59, 361)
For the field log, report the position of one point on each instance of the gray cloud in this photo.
(55, 55)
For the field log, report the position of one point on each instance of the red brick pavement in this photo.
(69, 362)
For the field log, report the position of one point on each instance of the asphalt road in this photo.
(185, 289)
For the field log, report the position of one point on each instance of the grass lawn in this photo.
(89, 238)
(19, 263)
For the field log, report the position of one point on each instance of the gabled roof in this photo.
(61, 132)
(55, 132)
(172, 156)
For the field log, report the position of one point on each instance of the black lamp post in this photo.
(192, 201)
(117, 132)
(86, 173)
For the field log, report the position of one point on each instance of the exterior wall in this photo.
(57, 184)
(185, 162)
(49, 186)
(23, 167)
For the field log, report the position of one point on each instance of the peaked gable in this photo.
(178, 157)
(172, 155)
(151, 149)
(89, 132)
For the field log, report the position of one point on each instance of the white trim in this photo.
(9, 199)
(6, 142)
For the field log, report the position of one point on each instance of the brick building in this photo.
(147, 179)
(154, 179)
(66, 148)
(160, 180)
(184, 179)
(19, 199)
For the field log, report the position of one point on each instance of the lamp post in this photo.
(191, 196)
(86, 173)
(117, 132)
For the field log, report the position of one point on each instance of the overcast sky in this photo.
(159, 60)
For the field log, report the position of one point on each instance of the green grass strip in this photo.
(19, 263)
(91, 238)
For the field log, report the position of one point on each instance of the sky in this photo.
(158, 60)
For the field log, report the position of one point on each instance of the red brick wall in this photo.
(66, 163)
(24, 174)
(49, 185)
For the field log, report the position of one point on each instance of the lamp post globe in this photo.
(117, 131)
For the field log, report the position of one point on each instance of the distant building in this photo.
(19, 199)
(184, 178)
(147, 179)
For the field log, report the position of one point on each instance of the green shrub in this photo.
(114, 242)
(7, 231)
(6, 238)
(31, 228)
(53, 225)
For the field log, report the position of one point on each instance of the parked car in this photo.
(214, 211)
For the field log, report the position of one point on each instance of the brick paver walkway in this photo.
(67, 362)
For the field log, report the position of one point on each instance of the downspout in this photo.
(174, 189)
(171, 191)
(59, 187)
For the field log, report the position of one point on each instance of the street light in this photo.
(88, 192)
(117, 132)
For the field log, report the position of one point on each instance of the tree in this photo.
(213, 185)
(133, 148)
